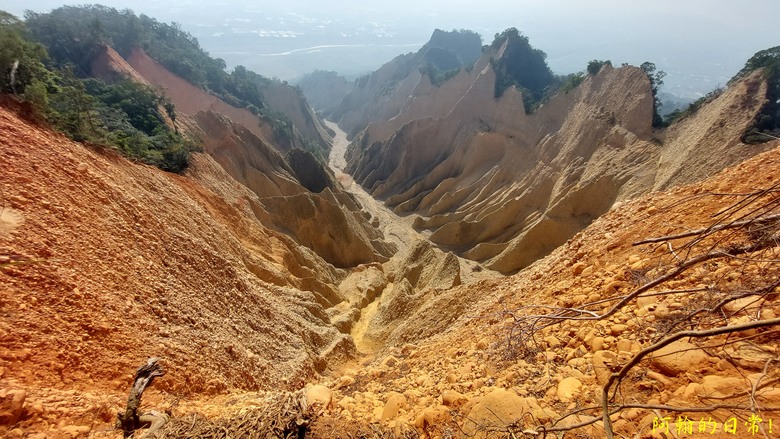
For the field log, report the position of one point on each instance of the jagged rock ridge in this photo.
(382, 94)
(505, 188)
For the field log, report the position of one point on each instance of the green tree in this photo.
(73, 107)
(595, 66)
(21, 61)
(124, 115)
(170, 110)
(656, 81)
(38, 96)
(521, 66)
(766, 124)
(70, 36)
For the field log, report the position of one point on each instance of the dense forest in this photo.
(766, 125)
(448, 52)
(521, 66)
(74, 34)
(47, 65)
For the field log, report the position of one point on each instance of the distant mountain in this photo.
(324, 90)
(445, 54)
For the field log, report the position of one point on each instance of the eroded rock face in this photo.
(245, 156)
(505, 188)
(384, 95)
(416, 278)
(190, 100)
(309, 171)
(288, 100)
(342, 237)
(426, 267)
(295, 194)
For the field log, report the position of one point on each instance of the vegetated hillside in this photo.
(503, 187)
(382, 94)
(297, 195)
(324, 90)
(262, 148)
(275, 127)
(77, 34)
(108, 110)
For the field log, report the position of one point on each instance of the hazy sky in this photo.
(699, 43)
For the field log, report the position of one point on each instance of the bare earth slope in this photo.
(190, 99)
(295, 193)
(104, 263)
(109, 262)
(256, 274)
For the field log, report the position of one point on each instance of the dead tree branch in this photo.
(711, 229)
(746, 231)
(575, 314)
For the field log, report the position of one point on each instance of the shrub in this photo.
(571, 81)
(595, 66)
(766, 125)
(693, 107)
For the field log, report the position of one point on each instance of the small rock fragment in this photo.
(568, 389)
(319, 394)
(395, 402)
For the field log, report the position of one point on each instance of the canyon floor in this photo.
(396, 229)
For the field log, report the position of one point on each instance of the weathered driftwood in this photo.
(130, 420)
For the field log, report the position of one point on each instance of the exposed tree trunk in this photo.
(130, 420)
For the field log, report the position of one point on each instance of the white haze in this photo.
(699, 43)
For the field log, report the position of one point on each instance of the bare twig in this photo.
(711, 229)
(569, 314)
(617, 377)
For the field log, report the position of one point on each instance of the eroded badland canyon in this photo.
(453, 253)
